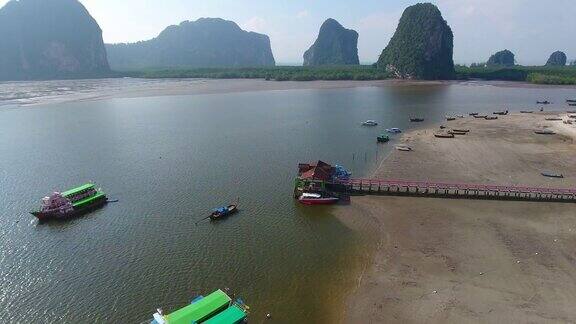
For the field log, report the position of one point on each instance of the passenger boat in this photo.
(444, 135)
(73, 202)
(416, 120)
(546, 102)
(491, 117)
(223, 212)
(393, 130)
(544, 132)
(316, 199)
(383, 138)
(370, 123)
(216, 308)
(552, 175)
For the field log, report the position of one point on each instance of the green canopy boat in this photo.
(383, 138)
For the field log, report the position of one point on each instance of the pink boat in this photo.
(316, 199)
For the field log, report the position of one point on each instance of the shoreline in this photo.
(441, 260)
(65, 91)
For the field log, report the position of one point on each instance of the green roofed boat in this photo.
(216, 308)
(73, 202)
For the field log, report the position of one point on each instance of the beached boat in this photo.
(473, 114)
(501, 113)
(491, 117)
(450, 118)
(393, 130)
(461, 130)
(223, 212)
(370, 123)
(571, 111)
(552, 175)
(316, 199)
(73, 202)
(526, 111)
(460, 116)
(404, 148)
(553, 118)
(383, 139)
(416, 120)
(572, 104)
(572, 116)
(546, 102)
(480, 116)
(571, 100)
(216, 308)
(544, 132)
(444, 135)
(455, 132)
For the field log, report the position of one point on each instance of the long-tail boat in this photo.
(73, 202)
(416, 120)
(223, 212)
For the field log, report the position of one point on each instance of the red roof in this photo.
(319, 171)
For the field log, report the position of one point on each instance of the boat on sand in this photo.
(404, 148)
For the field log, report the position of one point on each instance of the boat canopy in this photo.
(201, 310)
(89, 200)
(232, 315)
(78, 189)
(221, 210)
(311, 195)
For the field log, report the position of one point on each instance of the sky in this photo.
(532, 29)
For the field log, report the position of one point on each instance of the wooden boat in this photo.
(572, 104)
(444, 135)
(316, 199)
(571, 111)
(526, 111)
(383, 139)
(480, 116)
(553, 118)
(546, 102)
(568, 122)
(544, 132)
(394, 130)
(455, 132)
(491, 117)
(460, 116)
(442, 127)
(571, 100)
(370, 123)
(473, 114)
(461, 130)
(223, 212)
(403, 148)
(71, 203)
(552, 175)
(416, 120)
(572, 116)
(450, 118)
(501, 113)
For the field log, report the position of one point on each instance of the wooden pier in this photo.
(454, 190)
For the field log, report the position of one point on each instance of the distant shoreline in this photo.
(47, 92)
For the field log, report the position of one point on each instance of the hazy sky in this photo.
(532, 29)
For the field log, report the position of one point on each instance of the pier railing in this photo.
(456, 190)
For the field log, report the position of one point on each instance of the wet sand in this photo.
(459, 261)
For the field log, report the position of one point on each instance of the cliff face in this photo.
(45, 39)
(335, 45)
(422, 46)
(207, 42)
(502, 58)
(557, 58)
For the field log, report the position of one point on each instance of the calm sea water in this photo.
(170, 160)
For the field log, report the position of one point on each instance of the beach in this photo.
(454, 261)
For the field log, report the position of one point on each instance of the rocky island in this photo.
(422, 46)
(335, 45)
(502, 58)
(207, 42)
(46, 39)
(557, 58)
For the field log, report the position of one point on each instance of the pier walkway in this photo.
(455, 190)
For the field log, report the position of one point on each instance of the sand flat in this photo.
(455, 261)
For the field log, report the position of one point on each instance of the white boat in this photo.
(316, 199)
(404, 148)
(393, 130)
(370, 123)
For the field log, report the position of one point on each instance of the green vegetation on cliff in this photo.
(557, 58)
(559, 75)
(422, 46)
(502, 58)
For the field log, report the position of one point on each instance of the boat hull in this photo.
(46, 216)
(318, 201)
(232, 209)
